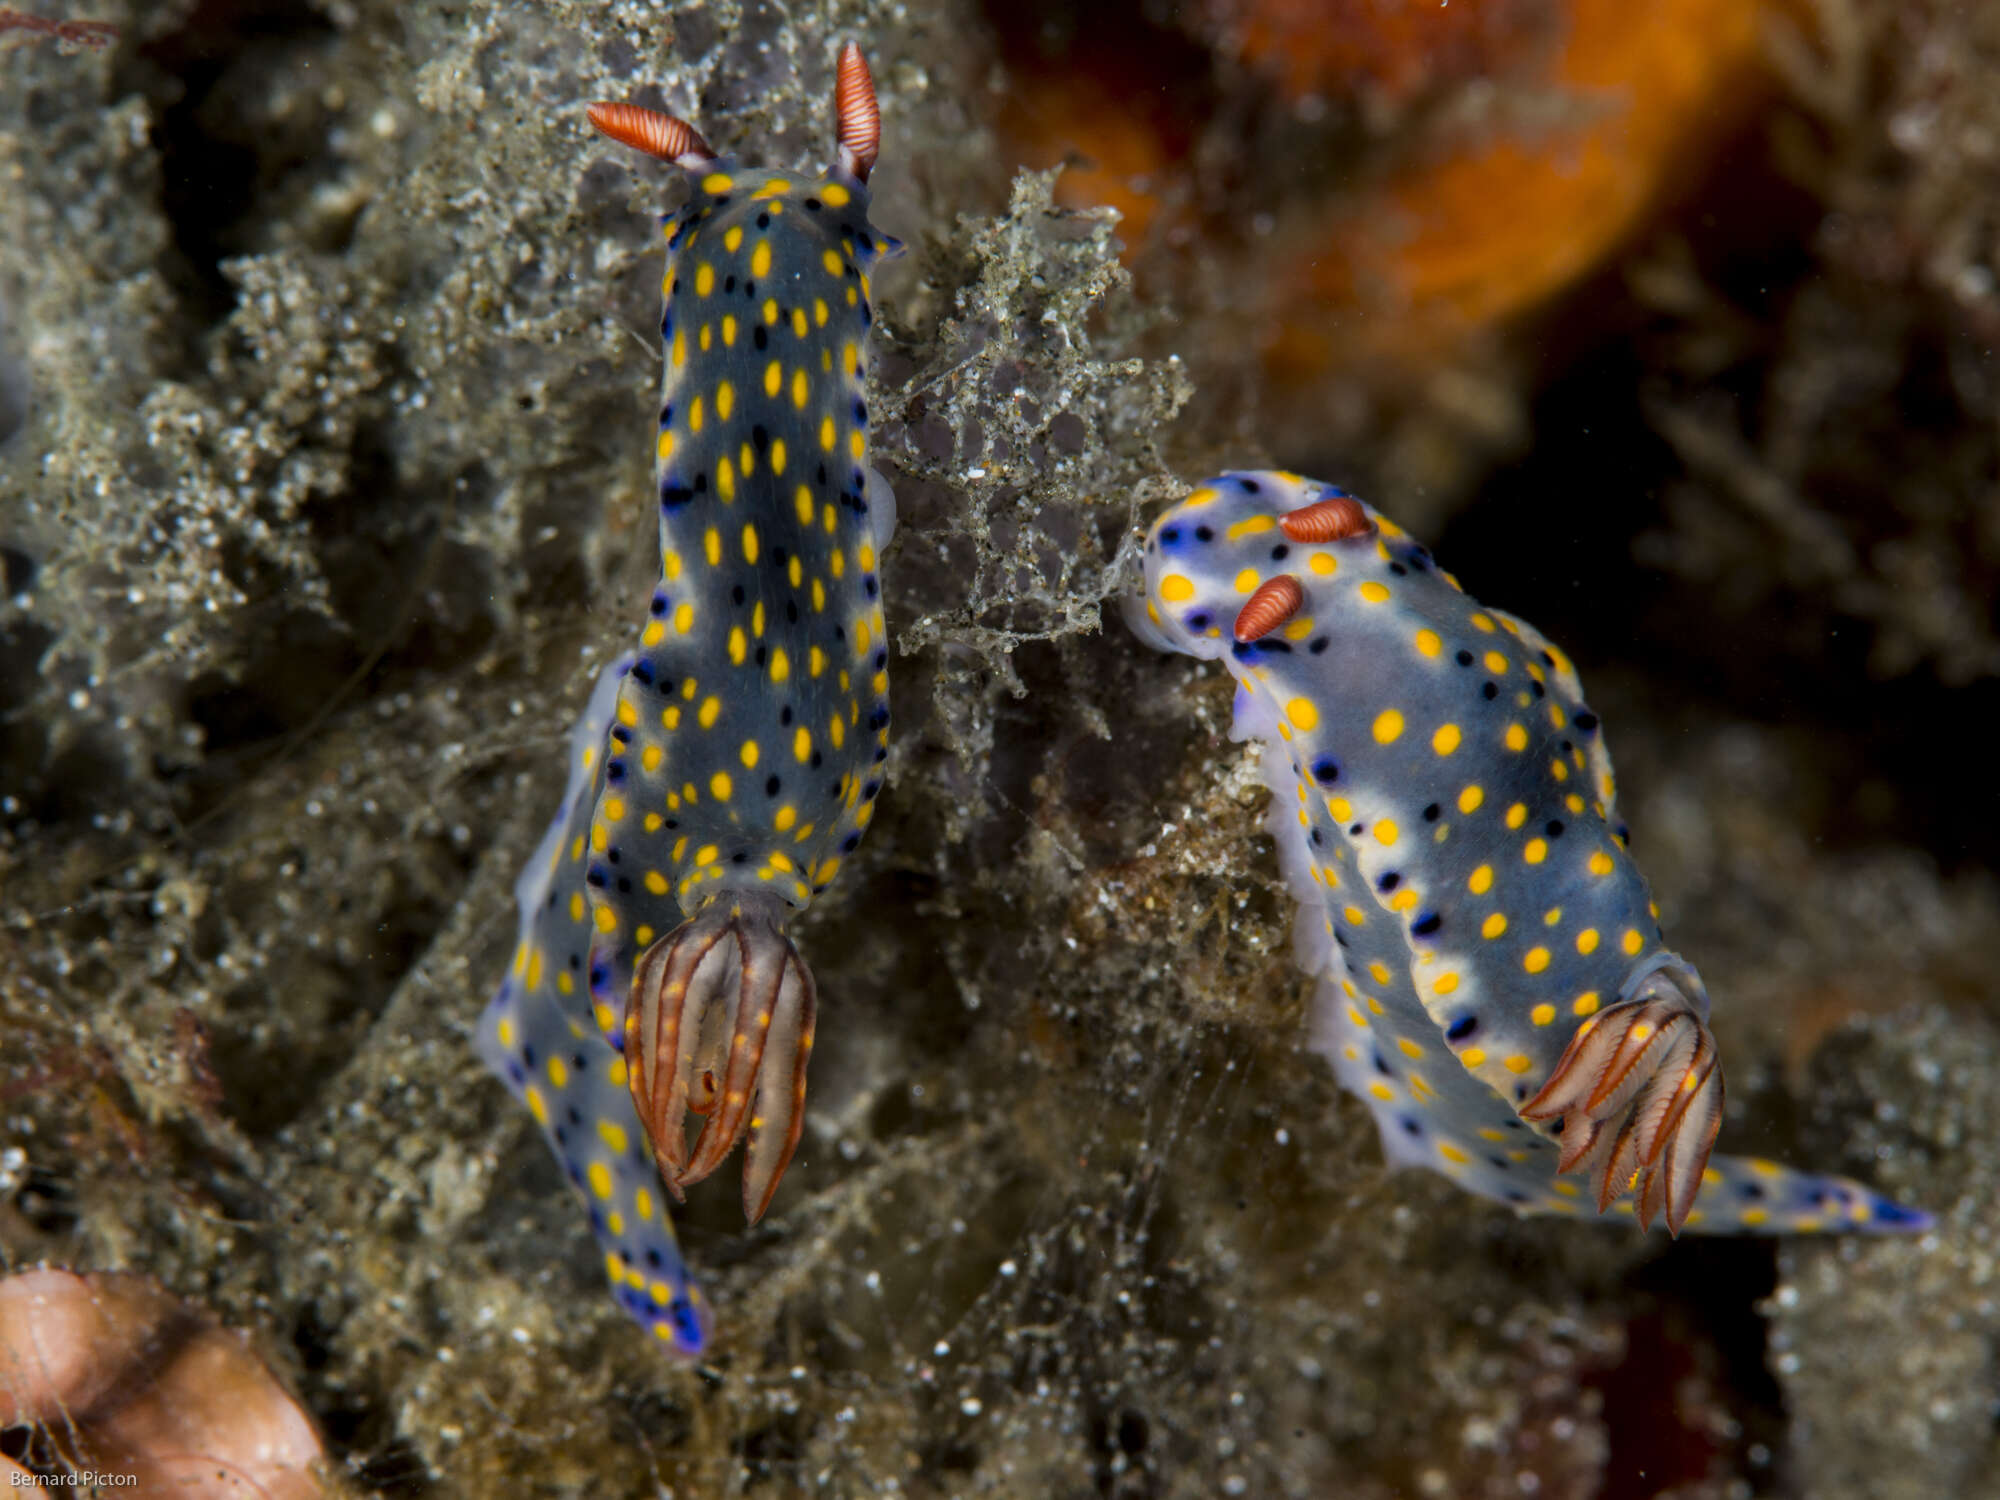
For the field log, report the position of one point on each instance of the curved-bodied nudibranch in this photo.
(1493, 981)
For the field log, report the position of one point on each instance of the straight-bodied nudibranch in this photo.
(751, 727)
(725, 767)
(1492, 979)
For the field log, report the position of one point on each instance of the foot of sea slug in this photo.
(1639, 1097)
(720, 1024)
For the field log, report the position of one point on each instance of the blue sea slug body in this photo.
(1492, 978)
(721, 775)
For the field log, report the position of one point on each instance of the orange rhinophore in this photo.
(652, 132)
(92, 34)
(858, 115)
(1334, 519)
(1276, 601)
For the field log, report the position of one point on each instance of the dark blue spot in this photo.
(1490, 691)
(614, 771)
(1426, 924)
(1432, 813)
(642, 669)
(760, 338)
(1586, 721)
(1388, 881)
(1204, 533)
(1399, 570)
(1318, 645)
(1753, 1191)
(1198, 620)
(687, 1327)
(1464, 658)
(659, 604)
(1411, 1127)
(1250, 486)
(1462, 1028)
(847, 845)
(1553, 828)
(673, 496)
(1280, 553)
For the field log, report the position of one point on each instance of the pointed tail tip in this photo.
(1892, 1217)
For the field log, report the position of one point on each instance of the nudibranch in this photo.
(724, 772)
(1492, 978)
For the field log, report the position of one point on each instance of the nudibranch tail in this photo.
(542, 1038)
(1639, 1094)
(721, 1026)
(858, 116)
(656, 134)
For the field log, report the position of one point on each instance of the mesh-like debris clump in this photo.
(1024, 456)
